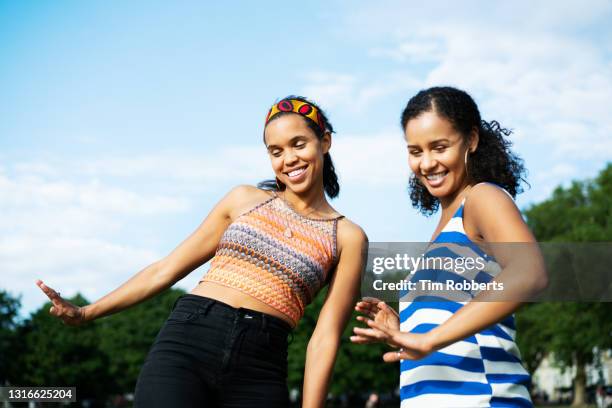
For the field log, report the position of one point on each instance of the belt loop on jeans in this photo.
(176, 301)
(206, 308)
(263, 328)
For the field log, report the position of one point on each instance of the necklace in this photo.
(288, 233)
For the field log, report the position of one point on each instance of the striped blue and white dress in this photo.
(483, 370)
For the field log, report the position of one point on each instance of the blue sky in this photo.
(122, 123)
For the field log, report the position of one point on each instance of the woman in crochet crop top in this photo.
(277, 256)
(272, 248)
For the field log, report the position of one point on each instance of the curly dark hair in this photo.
(330, 178)
(492, 161)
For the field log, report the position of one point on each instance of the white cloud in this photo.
(56, 227)
(89, 266)
(32, 192)
(65, 220)
(421, 49)
(547, 180)
(544, 71)
(397, 19)
(331, 89)
(371, 159)
(30, 169)
(223, 165)
(352, 93)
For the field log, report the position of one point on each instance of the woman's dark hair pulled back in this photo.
(330, 178)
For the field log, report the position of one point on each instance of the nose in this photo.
(427, 163)
(290, 158)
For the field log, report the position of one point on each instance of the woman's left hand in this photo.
(381, 313)
(412, 346)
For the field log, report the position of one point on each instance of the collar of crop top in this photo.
(305, 216)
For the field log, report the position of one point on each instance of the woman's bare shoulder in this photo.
(487, 199)
(350, 233)
(243, 197)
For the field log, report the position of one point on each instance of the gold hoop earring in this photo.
(467, 174)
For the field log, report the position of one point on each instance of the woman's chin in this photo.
(438, 192)
(299, 188)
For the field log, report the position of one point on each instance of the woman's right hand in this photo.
(70, 314)
(378, 311)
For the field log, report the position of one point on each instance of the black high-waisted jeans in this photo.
(210, 354)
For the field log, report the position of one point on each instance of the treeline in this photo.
(103, 358)
(572, 334)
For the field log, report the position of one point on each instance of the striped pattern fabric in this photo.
(277, 256)
(483, 370)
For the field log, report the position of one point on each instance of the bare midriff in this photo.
(236, 298)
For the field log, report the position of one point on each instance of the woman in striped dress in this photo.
(460, 352)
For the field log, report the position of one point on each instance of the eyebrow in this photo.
(293, 139)
(433, 142)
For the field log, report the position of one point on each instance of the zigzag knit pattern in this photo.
(277, 256)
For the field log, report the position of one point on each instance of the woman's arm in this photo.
(197, 249)
(492, 215)
(343, 290)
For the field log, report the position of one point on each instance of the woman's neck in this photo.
(311, 201)
(451, 202)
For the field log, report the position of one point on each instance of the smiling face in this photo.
(436, 154)
(296, 153)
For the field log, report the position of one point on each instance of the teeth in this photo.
(436, 176)
(296, 172)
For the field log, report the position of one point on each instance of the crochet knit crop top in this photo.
(277, 256)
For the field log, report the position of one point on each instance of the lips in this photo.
(435, 179)
(297, 175)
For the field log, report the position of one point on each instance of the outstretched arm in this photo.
(343, 290)
(197, 249)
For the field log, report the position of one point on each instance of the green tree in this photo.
(572, 332)
(358, 368)
(100, 358)
(9, 309)
(581, 212)
(533, 341)
(53, 354)
(126, 337)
